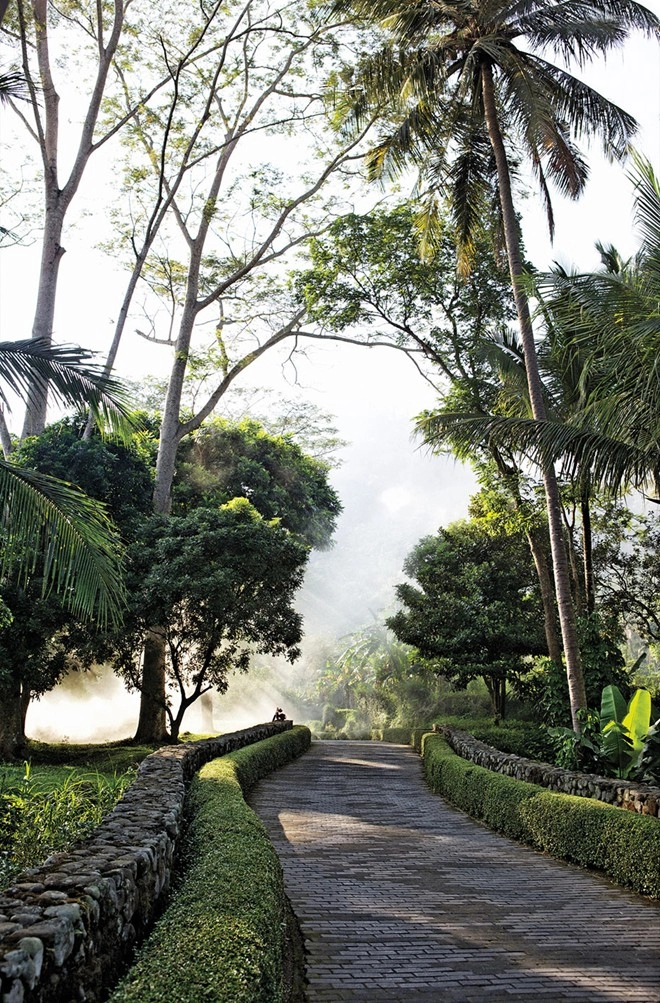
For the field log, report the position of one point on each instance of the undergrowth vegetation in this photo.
(49, 810)
(222, 938)
(58, 797)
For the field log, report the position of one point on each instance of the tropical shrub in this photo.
(619, 741)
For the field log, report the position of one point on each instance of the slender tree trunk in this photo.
(574, 672)
(550, 622)
(497, 692)
(537, 540)
(587, 551)
(206, 705)
(42, 328)
(12, 735)
(45, 102)
(152, 721)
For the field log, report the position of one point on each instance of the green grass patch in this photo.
(49, 809)
(622, 844)
(108, 758)
(222, 937)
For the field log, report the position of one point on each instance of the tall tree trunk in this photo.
(587, 550)
(42, 328)
(12, 735)
(537, 547)
(537, 540)
(206, 706)
(152, 722)
(574, 672)
(45, 102)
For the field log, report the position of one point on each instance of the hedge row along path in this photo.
(402, 898)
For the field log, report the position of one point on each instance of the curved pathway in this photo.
(402, 898)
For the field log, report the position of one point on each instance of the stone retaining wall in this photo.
(640, 798)
(69, 926)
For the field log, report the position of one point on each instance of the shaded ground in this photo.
(402, 898)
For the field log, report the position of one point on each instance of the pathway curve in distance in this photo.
(400, 897)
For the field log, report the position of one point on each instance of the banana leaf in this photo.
(613, 706)
(638, 719)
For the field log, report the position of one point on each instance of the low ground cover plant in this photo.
(49, 809)
(58, 797)
(222, 938)
(622, 844)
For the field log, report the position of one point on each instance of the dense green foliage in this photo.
(221, 939)
(225, 460)
(117, 473)
(520, 738)
(473, 608)
(622, 844)
(44, 640)
(220, 584)
(48, 527)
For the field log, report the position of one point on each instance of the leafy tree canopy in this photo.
(474, 607)
(220, 583)
(117, 473)
(367, 274)
(225, 460)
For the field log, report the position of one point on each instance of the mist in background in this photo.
(393, 493)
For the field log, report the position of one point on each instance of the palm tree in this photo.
(470, 91)
(44, 522)
(608, 322)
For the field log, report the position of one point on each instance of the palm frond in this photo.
(612, 464)
(13, 87)
(70, 376)
(588, 112)
(51, 527)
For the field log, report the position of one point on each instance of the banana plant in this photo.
(624, 729)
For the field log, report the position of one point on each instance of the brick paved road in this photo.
(402, 898)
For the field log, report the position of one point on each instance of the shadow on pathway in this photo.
(402, 898)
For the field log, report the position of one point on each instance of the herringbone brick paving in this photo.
(402, 898)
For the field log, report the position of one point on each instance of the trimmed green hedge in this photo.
(622, 844)
(221, 939)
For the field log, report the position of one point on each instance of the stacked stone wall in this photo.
(640, 798)
(69, 927)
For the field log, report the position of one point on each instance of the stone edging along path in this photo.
(68, 926)
(640, 798)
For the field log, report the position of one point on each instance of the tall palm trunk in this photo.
(537, 540)
(587, 549)
(574, 672)
(540, 556)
